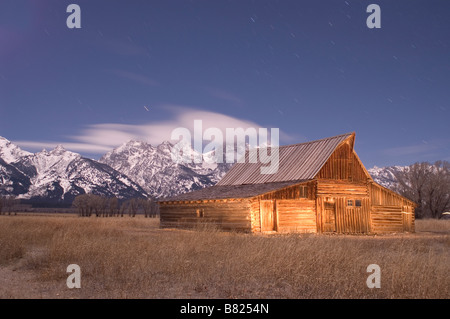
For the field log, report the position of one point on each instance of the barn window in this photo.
(350, 202)
(200, 212)
(303, 191)
(357, 202)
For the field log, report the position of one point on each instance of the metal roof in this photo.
(296, 162)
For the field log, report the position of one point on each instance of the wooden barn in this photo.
(320, 187)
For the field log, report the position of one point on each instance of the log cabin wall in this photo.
(301, 190)
(255, 215)
(390, 211)
(293, 209)
(224, 214)
(296, 215)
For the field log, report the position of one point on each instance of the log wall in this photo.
(226, 215)
(387, 219)
(390, 211)
(296, 215)
(333, 188)
(298, 191)
(255, 216)
(304, 207)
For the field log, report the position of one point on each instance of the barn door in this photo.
(329, 217)
(268, 215)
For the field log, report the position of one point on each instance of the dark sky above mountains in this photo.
(313, 69)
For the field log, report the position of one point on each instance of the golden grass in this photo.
(133, 258)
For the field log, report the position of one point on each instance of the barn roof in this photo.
(296, 162)
(231, 191)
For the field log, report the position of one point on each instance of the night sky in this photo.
(313, 69)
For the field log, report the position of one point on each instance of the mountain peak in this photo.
(165, 146)
(58, 150)
(10, 152)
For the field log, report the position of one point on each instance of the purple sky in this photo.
(313, 69)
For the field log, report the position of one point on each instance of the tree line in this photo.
(7, 204)
(100, 206)
(428, 185)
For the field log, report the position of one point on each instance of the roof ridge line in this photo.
(315, 141)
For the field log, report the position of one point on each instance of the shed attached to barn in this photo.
(320, 186)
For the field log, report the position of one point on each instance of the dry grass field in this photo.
(134, 258)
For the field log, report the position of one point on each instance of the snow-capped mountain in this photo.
(385, 176)
(12, 180)
(59, 176)
(152, 167)
(10, 152)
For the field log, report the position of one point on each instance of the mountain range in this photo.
(134, 169)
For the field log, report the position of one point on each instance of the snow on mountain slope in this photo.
(385, 176)
(153, 168)
(9, 152)
(12, 180)
(59, 176)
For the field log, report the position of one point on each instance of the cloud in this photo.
(103, 137)
(113, 134)
(77, 147)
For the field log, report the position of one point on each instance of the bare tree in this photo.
(81, 203)
(2, 204)
(7, 204)
(113, 206)
(146, 205)
(123, 208)
(428, 185)
(133, 206)
(155, 209)
(437, 194)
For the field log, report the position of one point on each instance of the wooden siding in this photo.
(390, 211)
(268, 215)
(383, 196)
(255, 216)
(408, 219)
(296, 215)
(333, 188)
(348, 219)
(226, 215)
(291, 192)
(293, 212)
(343, 165)
(387, 219)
